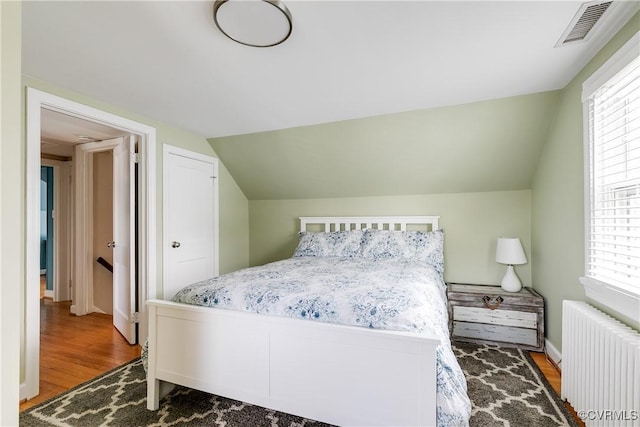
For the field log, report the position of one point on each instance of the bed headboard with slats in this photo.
(399, 223)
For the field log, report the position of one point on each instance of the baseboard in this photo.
(48, 294)
(553, 354)
(95, 309)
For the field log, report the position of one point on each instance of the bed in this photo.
(338, 333)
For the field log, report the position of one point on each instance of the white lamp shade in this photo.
(509, 251)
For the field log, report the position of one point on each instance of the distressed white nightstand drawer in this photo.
(521, 319)
(497, 333)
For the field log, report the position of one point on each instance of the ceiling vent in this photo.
(587, 17)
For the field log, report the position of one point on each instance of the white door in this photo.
(190, 210)
(124, 282)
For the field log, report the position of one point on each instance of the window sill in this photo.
(622, 301)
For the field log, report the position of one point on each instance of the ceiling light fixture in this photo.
(85, 138)
(257, 23)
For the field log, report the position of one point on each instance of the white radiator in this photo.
(600, 366)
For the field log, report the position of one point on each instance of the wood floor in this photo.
(552, 375)
(76, 349)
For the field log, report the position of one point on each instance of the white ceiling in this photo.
(166, 60)
(60, 133)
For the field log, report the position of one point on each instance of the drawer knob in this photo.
(492, 305)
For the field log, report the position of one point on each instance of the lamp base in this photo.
(510, 281)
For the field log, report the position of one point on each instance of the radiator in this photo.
(600, 366)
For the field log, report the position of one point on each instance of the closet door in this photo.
(190, 210)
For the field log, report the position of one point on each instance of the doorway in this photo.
(55, 223)
(37, 103)
(107, 167)
(46, 231)
(102, 230)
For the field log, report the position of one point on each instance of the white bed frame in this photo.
(341, 375)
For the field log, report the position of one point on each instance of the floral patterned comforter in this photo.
(379, 294)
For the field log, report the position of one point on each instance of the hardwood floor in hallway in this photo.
(75, 349)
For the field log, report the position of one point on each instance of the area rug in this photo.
(505, 386)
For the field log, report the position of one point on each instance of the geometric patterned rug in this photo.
(119, 398)
(505, 387)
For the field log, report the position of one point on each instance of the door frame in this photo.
(36, 100)
(167, 151)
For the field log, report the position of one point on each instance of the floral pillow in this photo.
(388, 244)
(325, 244)
(420, 246)
(430, 248)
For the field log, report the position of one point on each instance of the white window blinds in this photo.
(613, 241)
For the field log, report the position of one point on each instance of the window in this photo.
(612, 151)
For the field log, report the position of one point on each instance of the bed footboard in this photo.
(337, 374)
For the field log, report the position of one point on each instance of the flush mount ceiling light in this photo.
(85, 138)
(257, 23)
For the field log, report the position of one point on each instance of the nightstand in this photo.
(491, 315)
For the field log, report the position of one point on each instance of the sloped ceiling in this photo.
(365, 97)
(484, 146)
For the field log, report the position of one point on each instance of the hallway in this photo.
(75, 349)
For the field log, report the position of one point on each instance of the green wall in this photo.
(482, 146)
(11, 209)
(471, 221)
(558, 199)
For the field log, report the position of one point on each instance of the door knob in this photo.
(175, 244)
(111, 244)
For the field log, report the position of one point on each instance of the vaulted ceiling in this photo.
(345, 60)
(482, 146)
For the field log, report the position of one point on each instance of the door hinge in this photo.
(135, 157)
(135, 317)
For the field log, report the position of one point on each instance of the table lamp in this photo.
(509, 251)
